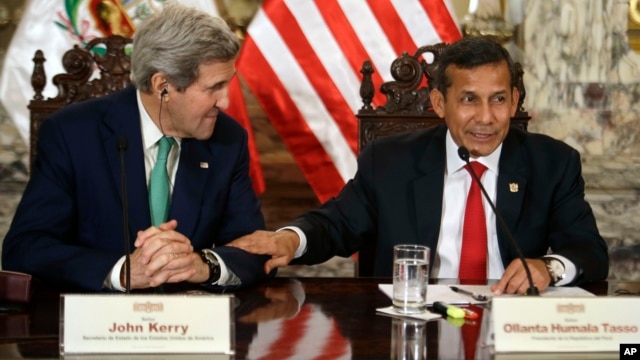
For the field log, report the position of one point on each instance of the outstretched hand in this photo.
(281, 246)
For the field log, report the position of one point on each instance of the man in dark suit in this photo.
(412, 189)
(68, 228)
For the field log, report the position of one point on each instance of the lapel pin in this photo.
(204, 165)
(513, 187)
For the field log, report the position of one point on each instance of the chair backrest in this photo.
(81, 80)
(407, 108)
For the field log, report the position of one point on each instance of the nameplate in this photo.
(589, 324)
(146, 324)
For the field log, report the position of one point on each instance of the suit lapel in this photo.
(196, 163)
(123, 120)
(512, 185)
(428, 189)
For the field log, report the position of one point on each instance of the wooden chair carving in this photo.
(109, 56)
(407, 108)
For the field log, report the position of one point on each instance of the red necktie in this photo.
(473, 257)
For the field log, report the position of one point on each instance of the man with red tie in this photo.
(415, 188)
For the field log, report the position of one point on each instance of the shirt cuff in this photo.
(227, 277)
(298, 293)
(302, 247)
(570, 270)
(113, 279)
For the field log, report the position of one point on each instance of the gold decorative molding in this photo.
(633, 25)
(5, 16)
(238, 13)
(486, 18)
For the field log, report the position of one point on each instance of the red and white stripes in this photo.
(309, 335)
(302, 60)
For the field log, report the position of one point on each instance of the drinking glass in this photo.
(410, 278)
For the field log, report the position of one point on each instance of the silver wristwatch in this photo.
(555, 268)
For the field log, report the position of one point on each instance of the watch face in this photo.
(557, 267)
(210, 257)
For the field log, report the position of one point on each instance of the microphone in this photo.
(122, 147)
(463, 153)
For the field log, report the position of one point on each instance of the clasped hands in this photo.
(282, 245)
(163, 255)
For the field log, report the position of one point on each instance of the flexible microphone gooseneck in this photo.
(463, 152)
(122, 147)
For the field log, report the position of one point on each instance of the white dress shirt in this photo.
(457, 182)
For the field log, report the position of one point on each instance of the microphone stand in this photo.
(532, 290)
(122, 147)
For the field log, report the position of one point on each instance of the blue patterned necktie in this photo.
(159, 184)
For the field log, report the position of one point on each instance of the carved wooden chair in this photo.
(407, 108)
(101, 68)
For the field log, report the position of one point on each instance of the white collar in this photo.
(150, 131)
(454, 162)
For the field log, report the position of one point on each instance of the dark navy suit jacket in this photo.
(68, 227)
(396, 197)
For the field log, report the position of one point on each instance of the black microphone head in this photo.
(464, 154)
(122, 143)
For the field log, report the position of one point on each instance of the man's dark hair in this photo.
(468, 53)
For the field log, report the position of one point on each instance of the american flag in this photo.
(301, 59)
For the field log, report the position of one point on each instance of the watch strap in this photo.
(209, 258)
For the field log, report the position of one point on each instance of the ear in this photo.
(515, 96)
(158, 84)
(437, 100)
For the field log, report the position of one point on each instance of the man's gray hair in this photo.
(176, 41)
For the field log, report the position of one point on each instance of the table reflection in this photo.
(408, 339)
(466, 338)
(288, 318)
(289, 328)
